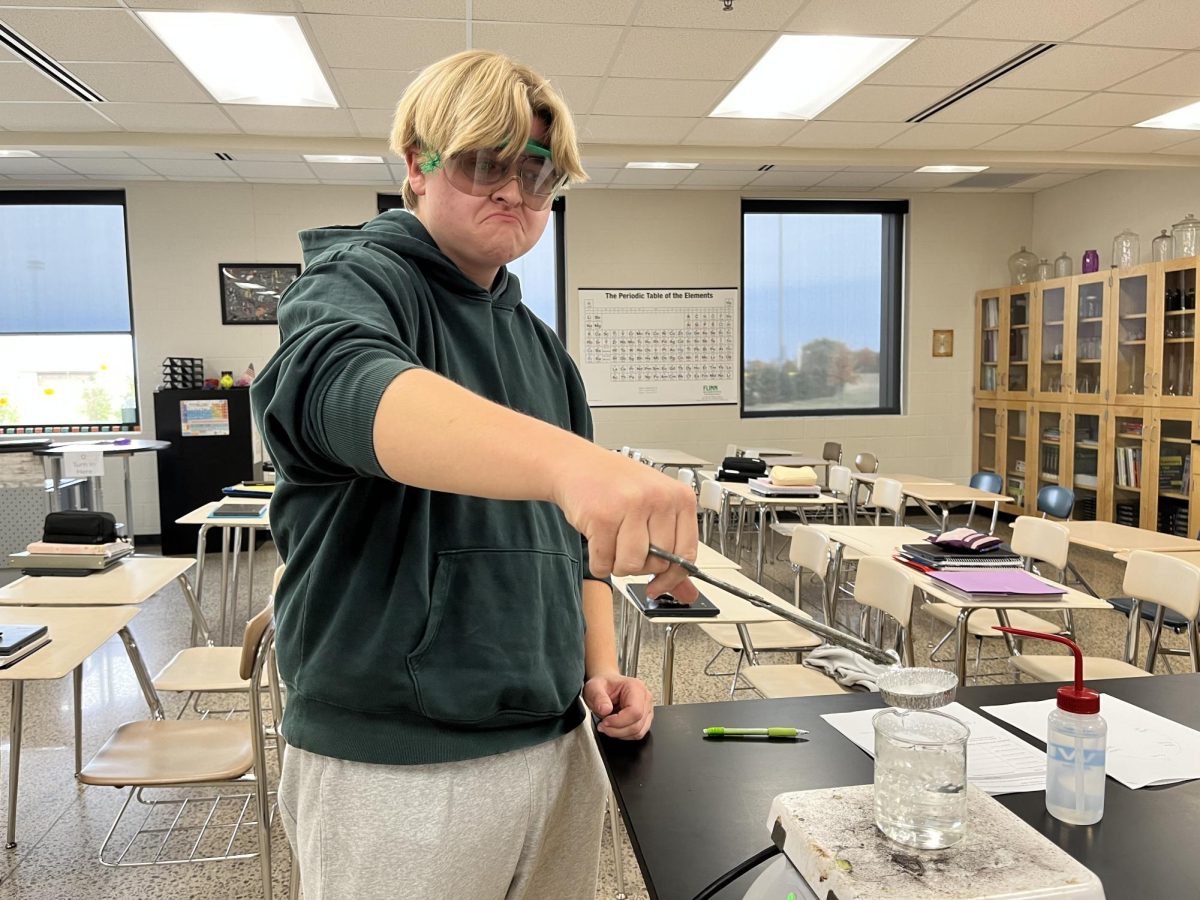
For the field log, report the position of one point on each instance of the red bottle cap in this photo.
(1077, 699)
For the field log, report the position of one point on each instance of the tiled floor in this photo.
(61, 824)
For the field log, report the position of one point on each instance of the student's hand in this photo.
(622, 507)
(625, 705)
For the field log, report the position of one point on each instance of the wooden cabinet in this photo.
(1086, 456)
(1128, 431)
(1051, 375)
(1017, 345)
(1017, 455)
(1174, 378)
(1171, 498)
(1051, 434)
(1088, 327)
(988, 455)
(1135, 301)
(987, 343)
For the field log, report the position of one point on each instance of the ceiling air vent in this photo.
(47, 66)
(766, 167)
(994, 179)
(224, 156)
(983, 80)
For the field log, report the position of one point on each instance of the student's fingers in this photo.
(635, 711)
(632, 546)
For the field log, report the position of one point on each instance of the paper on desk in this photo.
(1144, 748)
(998, 762)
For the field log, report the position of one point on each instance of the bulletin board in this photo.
(659, 346)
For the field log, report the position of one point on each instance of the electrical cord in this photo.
(736, 872)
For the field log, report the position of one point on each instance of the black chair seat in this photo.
(1171, 619)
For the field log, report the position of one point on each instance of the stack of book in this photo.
(932, 558)
(42, 558)
(983, 586)
(260, 490)
(768, 488)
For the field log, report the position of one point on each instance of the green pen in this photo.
(754, 732)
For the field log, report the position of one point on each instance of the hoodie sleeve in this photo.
(581, 424)
(346, 331)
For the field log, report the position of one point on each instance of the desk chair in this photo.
(984, 481)
(888, 494)
(1148, 616)
(1156, 577)
(1057, 502)
(840, 486)
(866, 462)
(626, 452)
(636, 455)
(710, 507)
(195, 753)
(688, 477)
(832, 453)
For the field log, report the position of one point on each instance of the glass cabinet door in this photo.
(1050, 443)
(1016, 444)
(1014, 382)
(1088, 333)
(987, 448)
(1173, 450)
(1134, 304)
(1051, 381)
(1130, 428)
(1085, 462)
(1175, 376)
(987, 377)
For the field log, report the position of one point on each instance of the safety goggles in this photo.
(483, 172)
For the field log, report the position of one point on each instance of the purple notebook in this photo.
(997, 583)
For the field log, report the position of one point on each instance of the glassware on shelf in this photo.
(1127, 249)
(1162, 247)
(1091, 261)
(1045, 271)
(1022, 266)
(1185, 235)
(1063, 266)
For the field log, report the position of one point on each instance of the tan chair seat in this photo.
(204, 670)
(764, 636)
(981, 621)
(791, 681)
(189, 751)
(1062, 668)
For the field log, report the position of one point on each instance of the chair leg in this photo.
(294, 878)
(737, 671)
(614, 827)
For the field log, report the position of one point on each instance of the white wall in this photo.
(958, 243)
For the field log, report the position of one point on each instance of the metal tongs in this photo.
(828, 632)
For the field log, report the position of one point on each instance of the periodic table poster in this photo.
(659, 346)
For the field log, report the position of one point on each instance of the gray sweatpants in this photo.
(523, 825)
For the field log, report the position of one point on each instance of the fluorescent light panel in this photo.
(1186, 118)
(802, 74)
(952, 169)
(245, 58)
(340, 158)
(660, 165)
(8, 154)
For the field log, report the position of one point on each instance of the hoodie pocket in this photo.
(504, 640)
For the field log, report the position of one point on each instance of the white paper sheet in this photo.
(998, 761)
(1144, 748)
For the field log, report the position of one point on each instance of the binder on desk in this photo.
(257, 491)
(1012, 585)
(238, 511)
(664, 605)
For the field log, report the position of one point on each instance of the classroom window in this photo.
(821, 307)
(541, 271)
(66, 318)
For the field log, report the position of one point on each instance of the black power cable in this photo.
(736, 872)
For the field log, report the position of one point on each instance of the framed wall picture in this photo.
(250, 291)
(943, 342)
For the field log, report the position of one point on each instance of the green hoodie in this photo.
(414, 626)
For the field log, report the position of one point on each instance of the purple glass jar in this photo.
(1091, 261)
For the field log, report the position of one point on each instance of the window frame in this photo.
(894, 215)
(76, 197)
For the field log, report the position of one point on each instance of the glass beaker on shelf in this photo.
(1045, 270)
(1063, 266)
(1022, 267)
(1186, 236)
(1162, 247)
(1127, 249)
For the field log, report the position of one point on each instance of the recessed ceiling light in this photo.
(950, 169)
(5, 154)
(802, 74)
(1186, 118)
(660, 165)
(245, 58)
(340, 158)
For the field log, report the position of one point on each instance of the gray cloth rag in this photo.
(847, 668)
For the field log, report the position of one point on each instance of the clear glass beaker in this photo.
(921, 777)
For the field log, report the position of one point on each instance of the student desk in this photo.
(75, 634)
(861, 478)
(945, 495)
(1111, 537)
(670, 459)
(694, 808)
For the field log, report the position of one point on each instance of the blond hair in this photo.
(480, 99)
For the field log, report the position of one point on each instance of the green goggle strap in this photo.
(431, 161)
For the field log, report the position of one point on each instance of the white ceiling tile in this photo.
(563, 49)
(292, 120)
(934, 136)
(90, 153)
(846, 134)
(650, 176)
(874, 16)
(27, 166)
(192, 168)
(1007, 106)
(1187, 148)
(1134, 140)
(718, 177)
(1074, 67)
(759, 15)
(598, 176)
(127, 178)
(1040, 182)
(372, 88)
(637, 187)
(1114, 109)
(351, 171)
(8, 56)
(43, 3)
(21, 81)
(399, 173)
(113, 35)
(154, 117)
(569, 12)
(64, 175)
(289, 170)
(369, 42)
(1045, 137)
(1152, 23)
(77, 116)
(1179, 76)
(579, 91)
(376, 181)
(408, 9)
(264, 156)
(946, 62)
(250, 6)
(141, 82)
(858, 179)
(151, 152)
(108, 167)
(1030, 20)
(658, 97)
(881, 103)
(372, 123)
(784, 179)
(926, 181)
(635, 129)
(689, 53)
(742, 132)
